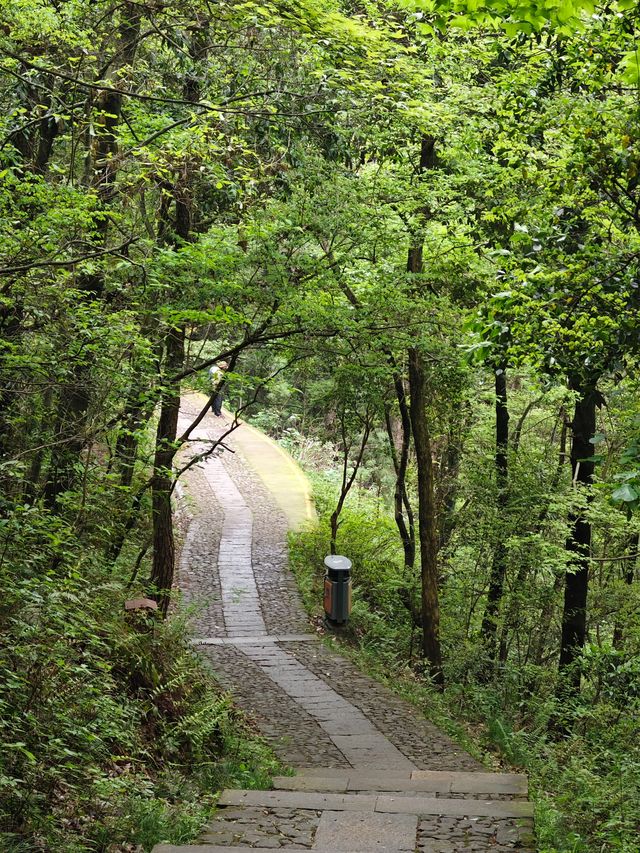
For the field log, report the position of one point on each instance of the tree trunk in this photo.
(11, 330)
(548, 608)
(628, 574)
(427, 522)
(427, 515)
(136, 414)
(70, 433)
(347, 479)
(574, 616)
(498, 567)
(103, 163)
(49, 130)
(403, 510)
(138, 408)
(449, 485)
(102, 166)
(163, 542)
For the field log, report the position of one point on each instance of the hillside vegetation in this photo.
(410, 228)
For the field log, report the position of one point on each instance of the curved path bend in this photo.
(372, 773)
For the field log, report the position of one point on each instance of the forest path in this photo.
(373, 774)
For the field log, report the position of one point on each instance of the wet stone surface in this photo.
(256, 827)
(359, 741)
(440, 794)
(197, 564)
(282, 609)
(206, 500)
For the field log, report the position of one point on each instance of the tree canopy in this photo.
(412, 230)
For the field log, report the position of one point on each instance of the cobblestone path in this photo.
(372, 773)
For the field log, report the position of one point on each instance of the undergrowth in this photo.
(584, 781)
(113, 735)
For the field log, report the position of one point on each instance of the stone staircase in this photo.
(358, 811)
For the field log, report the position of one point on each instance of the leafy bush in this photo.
(113, 735)
(585, 782)
(379, 618)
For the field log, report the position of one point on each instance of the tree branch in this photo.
(70, 262)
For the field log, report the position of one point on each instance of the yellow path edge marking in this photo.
(294, 469)
(293, 466)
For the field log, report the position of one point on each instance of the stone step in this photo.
(216, 848)
(378, 803)
(431, 781)
(255, 640)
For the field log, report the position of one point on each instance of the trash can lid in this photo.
(337, 563)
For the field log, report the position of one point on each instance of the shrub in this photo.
(585, 783)
(112, 734)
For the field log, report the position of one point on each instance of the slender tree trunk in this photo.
(449, 484)
(427, 514)
(628, 574)
(49, 130)
(402, 504)
(403, 511)
(163, 541)
(498, 568)
(136, 414)
(102, 164)
(126, 453)
(546, 618)
(574, 616)
(548, 608)
(126, 450)
(102, 167)
(163, 567)
(36, 145)
(347, 479)
(11, 330)
(427, 521)
(70, 435)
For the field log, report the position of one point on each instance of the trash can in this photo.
(337, 589)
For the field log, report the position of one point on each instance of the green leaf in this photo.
(630, 68)
(625, 494)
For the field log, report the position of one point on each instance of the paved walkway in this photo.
(372, 774)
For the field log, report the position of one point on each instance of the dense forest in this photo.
(412, 230)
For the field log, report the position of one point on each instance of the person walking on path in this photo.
(216, 374)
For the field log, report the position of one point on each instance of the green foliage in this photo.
(379, 618)
(248, 175)
(585, 783)
(514, 16)
(627, 492)
(111, 730)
